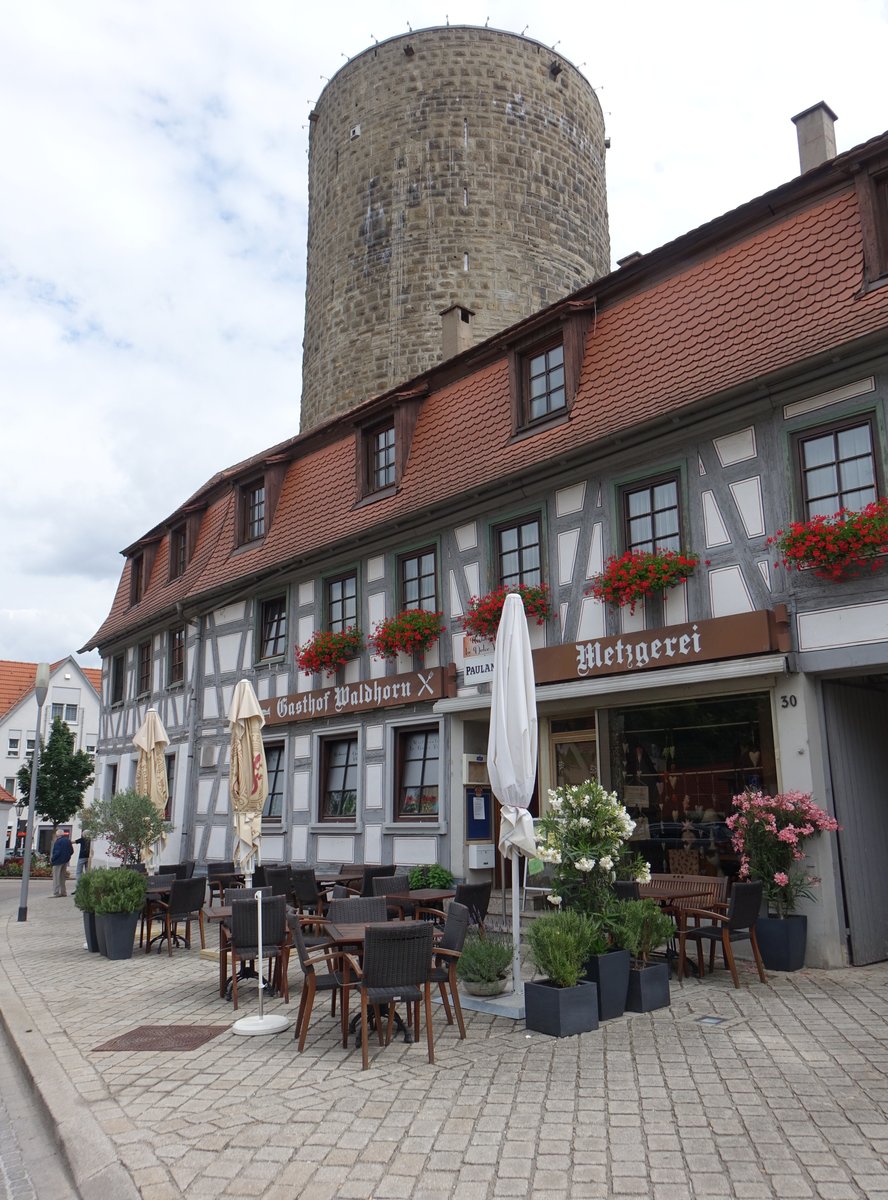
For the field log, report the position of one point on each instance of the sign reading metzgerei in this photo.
(413, 688)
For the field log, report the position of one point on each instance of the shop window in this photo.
(274, 763)
(144, 667)
(273, 627)
(837, 469)
(651, 516)
(677, 767)
(176, 656)
(252, 511)
(178, 551)
(339, 779)
(418, 581)
(118, 676)
(417, 773)
(518, 552)
(342, 603)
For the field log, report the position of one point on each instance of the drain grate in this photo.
(164, 1037)
(711, 1020)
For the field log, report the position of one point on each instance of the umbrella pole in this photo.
(516, 923)
(273, 1023)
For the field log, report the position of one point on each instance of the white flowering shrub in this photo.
(584, 836)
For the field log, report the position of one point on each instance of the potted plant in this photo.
(639, 927)
(769, 833)
(835, 547)
(118, 897)
(608, 968)
(408, 632)
(485, 964)
(84, 899)
(430, 876)
(630, 577)
(564, 1002)
(129, 821)
(327, 651)
(483, 618)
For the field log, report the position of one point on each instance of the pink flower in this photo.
(781, 878)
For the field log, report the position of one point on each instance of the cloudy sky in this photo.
(153, 224)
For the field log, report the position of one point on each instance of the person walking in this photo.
(85, 844)
(62, 852)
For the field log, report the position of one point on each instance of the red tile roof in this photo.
(777, 296)
(6, 797)
(17, 679)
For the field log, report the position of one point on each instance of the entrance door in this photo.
(857, 726)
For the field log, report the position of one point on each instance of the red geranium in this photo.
(326, 651)
(483, 618)
(410, 631)
(837, 546)
(638, 573)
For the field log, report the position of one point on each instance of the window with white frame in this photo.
(13, 746)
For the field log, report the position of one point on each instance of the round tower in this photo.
(452, 166)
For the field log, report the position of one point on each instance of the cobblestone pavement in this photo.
(788, 1098)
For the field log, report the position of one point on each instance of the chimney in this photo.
(456, 330)
(817, 136)
(632, 257)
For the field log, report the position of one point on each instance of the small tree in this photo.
(63, 776)
(129, 821)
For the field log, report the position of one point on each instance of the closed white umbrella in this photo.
(151, 741)
(512, 748)
(248, 775)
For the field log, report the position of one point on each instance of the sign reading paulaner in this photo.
(413, 688)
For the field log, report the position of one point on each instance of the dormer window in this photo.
(252, 511)
(544, 372)
(381, 451)
(872, 198)
(178, 551)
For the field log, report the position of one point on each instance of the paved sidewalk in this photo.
(787, 1098)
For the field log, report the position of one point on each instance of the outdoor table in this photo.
(222, 913)
(221, 882)
(157, 888)
(421, 897)
(344, 878)
(352, 935)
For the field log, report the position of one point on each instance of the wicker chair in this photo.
(734, 922)
(386, 885)
(307, 896)
(626, 889)
(445, 958)
(476, 898)
(371, 873)
(242, 942)
(219, 876)
(396, 966)
(185, 901)
(313, 980)
(280, 880)
(357, 910)
(177, 869)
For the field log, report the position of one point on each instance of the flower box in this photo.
(483, 618)
(410, 632)
(836, 547)
(782, 941)
(560, 1011)
(630, 577)
(610, 973)
(648, 988)
(327, 651)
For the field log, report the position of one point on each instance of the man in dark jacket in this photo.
(62, 850)
(85, 844)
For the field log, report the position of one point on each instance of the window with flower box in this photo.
(519, 553)
(417, 574)
(339, 779)
(837, 468)
(417, 773)
(176, 656)
(143, 656)
(342, 602)
(274, 763)
(652, 515)
(272, 628)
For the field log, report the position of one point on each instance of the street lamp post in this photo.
(41, 686)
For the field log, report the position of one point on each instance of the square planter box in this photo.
(560, 1012)
(782, 941)
(610, 973)
(118, 931)
(648, 988)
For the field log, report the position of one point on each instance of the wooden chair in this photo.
(313, 980)
(733, 923)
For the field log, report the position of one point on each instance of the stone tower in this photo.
(449, 166)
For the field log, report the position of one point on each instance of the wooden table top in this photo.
(422, 895)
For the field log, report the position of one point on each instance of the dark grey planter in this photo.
(610, 973)
(120, 933)
(648, 988)
(782, 941)
(89, 932)
(560, 1012)
(101, 943)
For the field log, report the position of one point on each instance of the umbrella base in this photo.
(256, 1026)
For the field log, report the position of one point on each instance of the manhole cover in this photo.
(164, 1037)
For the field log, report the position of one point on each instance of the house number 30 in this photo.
(788, 701)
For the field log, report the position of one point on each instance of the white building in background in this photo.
(73, 695)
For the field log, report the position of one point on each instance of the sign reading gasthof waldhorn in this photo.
(415, 687)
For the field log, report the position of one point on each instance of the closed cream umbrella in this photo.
(248, 775)
(151, 741)
(512, 748)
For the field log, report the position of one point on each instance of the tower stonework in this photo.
(448, 166)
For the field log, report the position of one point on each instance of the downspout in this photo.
(195, 689)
